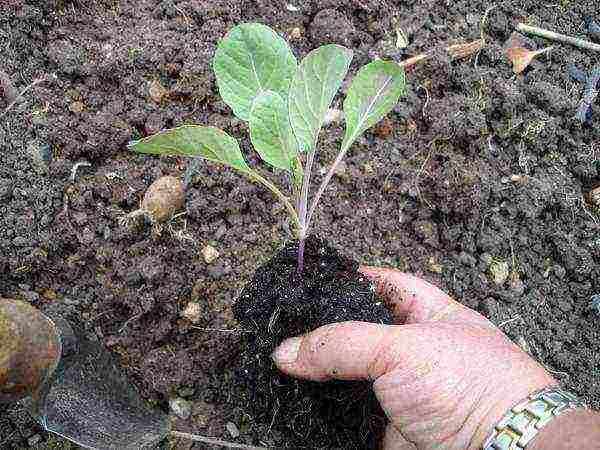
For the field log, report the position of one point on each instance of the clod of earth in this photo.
(277, 304)
(30, 350)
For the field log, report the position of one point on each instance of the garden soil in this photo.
(475, 182)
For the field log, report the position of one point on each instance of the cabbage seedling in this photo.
(285, 105)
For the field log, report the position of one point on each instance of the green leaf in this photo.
(251, 59)
(374, 91)
(271, 132)
(194, 140)
(316, 82)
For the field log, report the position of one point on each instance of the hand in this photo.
(444, 377)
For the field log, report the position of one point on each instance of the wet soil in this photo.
(475, 182)
(279, 303)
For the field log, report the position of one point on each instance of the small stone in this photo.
(49, 294)
(521, 342)
(433, 266)
(77, 107)
(233, 430)
(368, 169)
(181, 408)
(341, 170)
(210, 254)
(594, 196)
(498, 272)
(157, 91)
(192, 312)
(334, 116)
(296, 33)
(515, 282)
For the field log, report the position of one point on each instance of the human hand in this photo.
(444, 377)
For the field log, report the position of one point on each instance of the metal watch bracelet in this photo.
(523, 422)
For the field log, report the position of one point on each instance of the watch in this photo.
(522, 422)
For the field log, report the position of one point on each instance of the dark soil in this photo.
(477, 170)
(278, 303)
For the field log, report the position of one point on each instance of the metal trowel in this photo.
(74, 387)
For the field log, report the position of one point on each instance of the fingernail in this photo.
(287, 352)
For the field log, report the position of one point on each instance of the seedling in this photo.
(286, 105)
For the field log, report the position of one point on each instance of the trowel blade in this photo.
(92, 404)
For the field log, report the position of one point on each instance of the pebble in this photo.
(181, 407)
(433, 266)
(515, 283)
(157, 91)
(209, 254)
(192, 312)
(233, 430)
(333, 115)
(498, 272)
(77, 107)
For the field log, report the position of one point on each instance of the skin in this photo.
(444, 377)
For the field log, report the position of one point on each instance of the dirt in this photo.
(279, 302)
(475, 183)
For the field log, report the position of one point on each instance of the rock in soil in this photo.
(276, 304)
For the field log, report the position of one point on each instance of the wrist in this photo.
(576, 428)
(504, 398)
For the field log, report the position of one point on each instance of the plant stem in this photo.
(286, 201)
(300, 266)
(540, 32)
(345, 146)
(303, 205)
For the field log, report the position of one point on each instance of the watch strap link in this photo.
(522, 423)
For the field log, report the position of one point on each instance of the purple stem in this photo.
(300, 266)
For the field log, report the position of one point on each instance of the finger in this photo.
(394, 440)
(414, 300)
(342, 351)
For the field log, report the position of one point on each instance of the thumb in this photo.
(342, 351)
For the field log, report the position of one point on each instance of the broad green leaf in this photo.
(252, 58)
(374, 91)
(316, 82)
(271, 132)
(194, 140)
